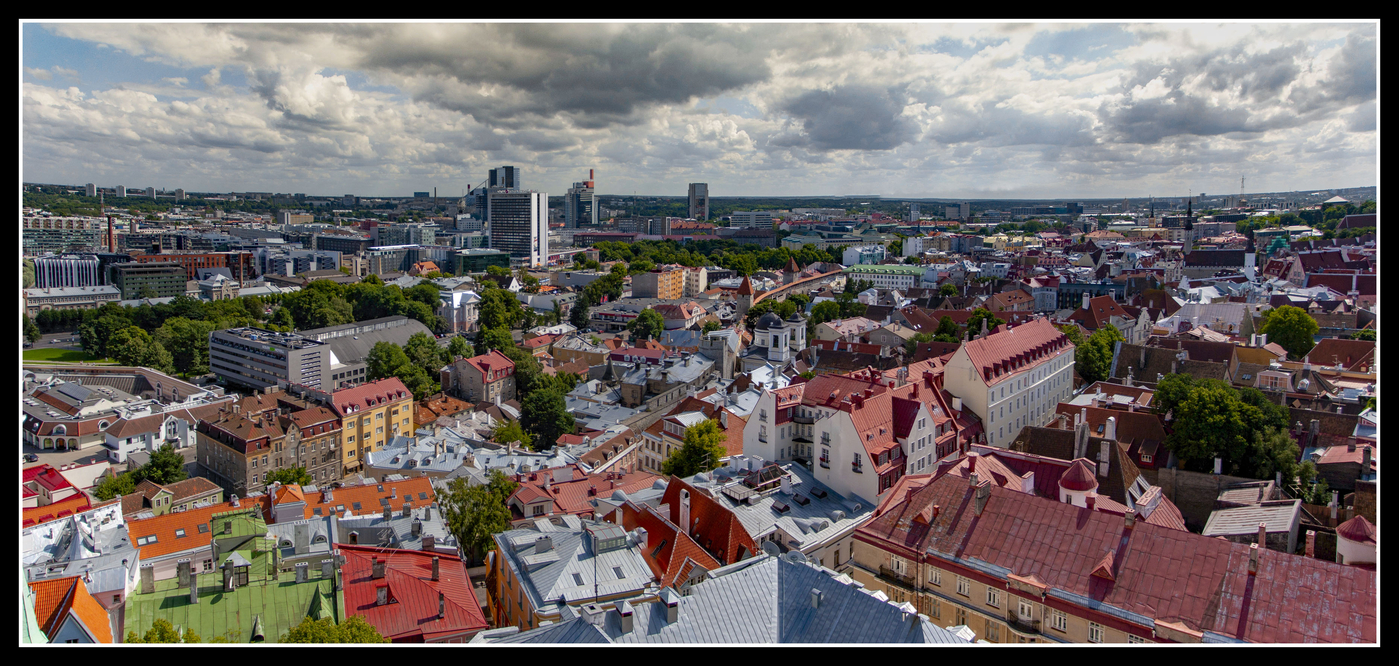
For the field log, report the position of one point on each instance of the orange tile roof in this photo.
(43, 514)
(713, 525)
(368, 396)
(368, 495)
(166, 528)
(667, 549)
(55, 599)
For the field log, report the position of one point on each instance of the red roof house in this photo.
(411, 596)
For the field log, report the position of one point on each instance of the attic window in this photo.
(577, 579)
(357, 506)
(422, 496)
(180, 533)
(316, 511)
(203, 528)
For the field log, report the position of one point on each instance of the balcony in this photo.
(808, 420)
(1022, 624)
(900, 579)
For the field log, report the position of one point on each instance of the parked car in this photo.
(31, 457)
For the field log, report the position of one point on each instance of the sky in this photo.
(900, 110)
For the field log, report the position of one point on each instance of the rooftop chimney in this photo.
(441, 604)
(436, 567)
(815, 598)
(1263, 535)
(625, 611)
(1311, 543)
(378, 571)
(1253, 559)
(1092, 500)
(1131, 518)
(388, 513)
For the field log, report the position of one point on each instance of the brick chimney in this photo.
(1263, 535)
(378, 571)
(436, 567)
(1131, 518)
(441, 605)
(1311, 543)
(1253, 559)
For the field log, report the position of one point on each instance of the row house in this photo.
(371, 414)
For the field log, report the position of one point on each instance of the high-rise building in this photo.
(699, 201)
(180, 195)
(66, 271)
(519, 223)
(506, 176)
(580, 206)
(121, 190)
(150, 192)
(91, 190)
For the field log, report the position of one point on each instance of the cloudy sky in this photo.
(965, 110)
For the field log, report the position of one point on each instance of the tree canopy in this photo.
(1210, 419)
(294, 476)
(1292, 328)
(701, 452)
(1093, 358)
(647, 326)
(475, 513)
(353, 630)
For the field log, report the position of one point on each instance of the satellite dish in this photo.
(794, 556)
(771, 549)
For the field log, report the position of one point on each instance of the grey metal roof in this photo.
(546, 582)
(764, 600)
(810, 525)
(1280, 515)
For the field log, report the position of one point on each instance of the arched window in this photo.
(60, 430)
(48, 442)
(320, 538)
(102, 425)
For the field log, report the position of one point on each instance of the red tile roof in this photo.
(368, 495)
(1353, 354)
(1358, 529)
(670, 553)
(367, 396)
(575, 496)
(411, 615)
(1009, 351)
(55, 599)
(712, 525)
(1164, 574)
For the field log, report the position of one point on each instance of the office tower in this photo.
(507, 177)
(121, 190)
(913, 213)
(91, 190)
(519, 224)
(179, 195)
(580, 206)
(150, 192)
(699, 201)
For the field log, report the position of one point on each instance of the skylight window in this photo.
(180, 533)
(618, 572)
(203, 528)
(577, 579)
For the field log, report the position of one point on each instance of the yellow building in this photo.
(373, 413)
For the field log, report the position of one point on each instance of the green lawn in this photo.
(62, 355)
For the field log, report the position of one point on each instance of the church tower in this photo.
(1189, 228)
(745, 297)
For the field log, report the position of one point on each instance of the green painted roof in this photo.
(280, 604)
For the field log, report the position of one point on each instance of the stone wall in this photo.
(1194, 493)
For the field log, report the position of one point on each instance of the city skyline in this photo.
(963, 110)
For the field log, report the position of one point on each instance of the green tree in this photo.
(493, 338)
(947, 331)
(475, 513)
(911, 346)
(709, 326)
(422, 351)
(510, 431)
(384, 360)
(1364, 334)
(148, 291)
(1093, 359)
(824, 311)
(578, 315)
(190, 636)
(701, 452)
(115, 485)
(31, 330)
(294, 476)
(29, 272)
(647, 326)
(166, 466)
(135, 347)
(1292, 328)
(459, 347)
(188, 342)
(947, 289)
(499, 309)
(161, 631)
(546, 417)
(979, 315)
(353, 630)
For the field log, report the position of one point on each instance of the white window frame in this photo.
(1058, 620)
(1133, 638)
(1095, 632)
(1026, 610)
(993, 597)
(964, 586)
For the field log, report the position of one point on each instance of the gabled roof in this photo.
(712, 525)
(1015, 349)
(180, 531)
(671, 554)
(56, 599)
(43, 514)
(370, 395)
(1159, 574)
(412, 611)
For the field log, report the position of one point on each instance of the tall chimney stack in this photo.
(1311, 543)
(436, 568)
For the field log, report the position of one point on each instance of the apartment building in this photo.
(887, 276)
(260, 358)
(488, 378)
(1013, 377)
(665, 283)
(371, 414)
(164, 279)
